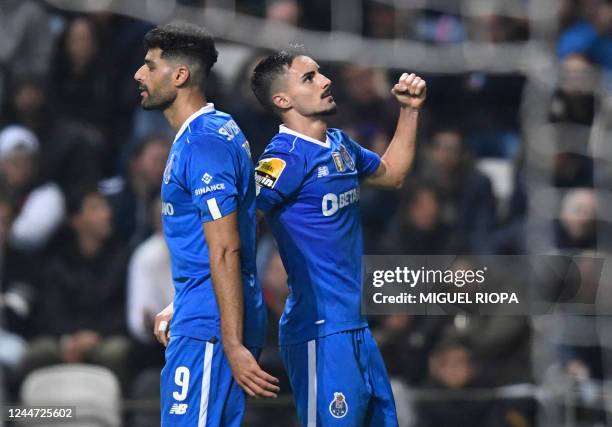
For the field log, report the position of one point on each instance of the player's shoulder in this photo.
(214, 131)
(283, 144)
(339, 135)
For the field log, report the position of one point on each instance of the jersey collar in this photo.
(285, 129)
(205, 109)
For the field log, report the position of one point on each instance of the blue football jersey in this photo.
(208, 175)
(309, 191)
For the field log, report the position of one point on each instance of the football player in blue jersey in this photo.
(308, 182)
(218, 317)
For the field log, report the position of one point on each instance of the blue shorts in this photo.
(197, 386)
(340, 380)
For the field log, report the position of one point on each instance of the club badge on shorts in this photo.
(338, 407)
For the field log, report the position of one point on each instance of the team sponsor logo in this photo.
(229, 130)
(268, 171)
(179, 408)
(168, 169)
(346, 157)
(338, 407)
(167, 209)
(331, 202)
(322, 171)
(206, 178)
(209, 188)
(338, 161)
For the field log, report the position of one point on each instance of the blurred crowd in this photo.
(84, 266)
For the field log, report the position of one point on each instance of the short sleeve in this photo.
(211, 178)
(366, 161)
(278, 176)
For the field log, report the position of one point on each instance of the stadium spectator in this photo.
(573, 101)
(368, 113)
(149, 282)
(406, 343)
(453, 369)
(81, 285)
(80, 90)
(149, 290)
(25, 39)
(577, 225)
(131, 197)
(467, 201)
(16, 298)
(285, 11)
(39, 205)
(590, 35)
(416, 229)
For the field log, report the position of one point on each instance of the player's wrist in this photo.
(232, 345)
(410, 108)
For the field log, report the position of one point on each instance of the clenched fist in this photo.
(410, 91)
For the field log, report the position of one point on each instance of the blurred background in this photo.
(514, 157)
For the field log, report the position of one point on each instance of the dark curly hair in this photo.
(186, 42)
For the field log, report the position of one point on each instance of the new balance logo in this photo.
(179, 408)
(322, 171)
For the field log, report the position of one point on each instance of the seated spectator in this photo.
(150, 287)
(80, 315)
(576, 228)
(452, 369)
(467, 203)
(131, 197)
(16, 297)
(405, 343)
(25, 38)
(81, 83)
(592, 38)
(416, 228)
(573, 101)
(39, 206)
(368, 113)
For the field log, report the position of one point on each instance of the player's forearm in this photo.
(227, 283)
(399, 156)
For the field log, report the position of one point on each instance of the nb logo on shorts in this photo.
(338, 407)
(179, 408)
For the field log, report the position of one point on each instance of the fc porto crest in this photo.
(346, 157)
(338, 407)
(168, 170)
(338, 161)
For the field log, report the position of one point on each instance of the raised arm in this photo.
(223, 241)
(410, 91)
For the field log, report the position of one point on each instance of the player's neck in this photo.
(312, 127)
(185, 104)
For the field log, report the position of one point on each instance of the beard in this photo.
(325, 113)
(157, 102)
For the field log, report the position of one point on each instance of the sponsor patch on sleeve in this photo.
(268, 171)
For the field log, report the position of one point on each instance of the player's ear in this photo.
(281, 100)
(180, 75)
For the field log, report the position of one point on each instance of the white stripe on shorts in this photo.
(312, 383)
(214, 208)
(208, 354)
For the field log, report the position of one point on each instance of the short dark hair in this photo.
(267, 71)
(185, 41)
(76, 195)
